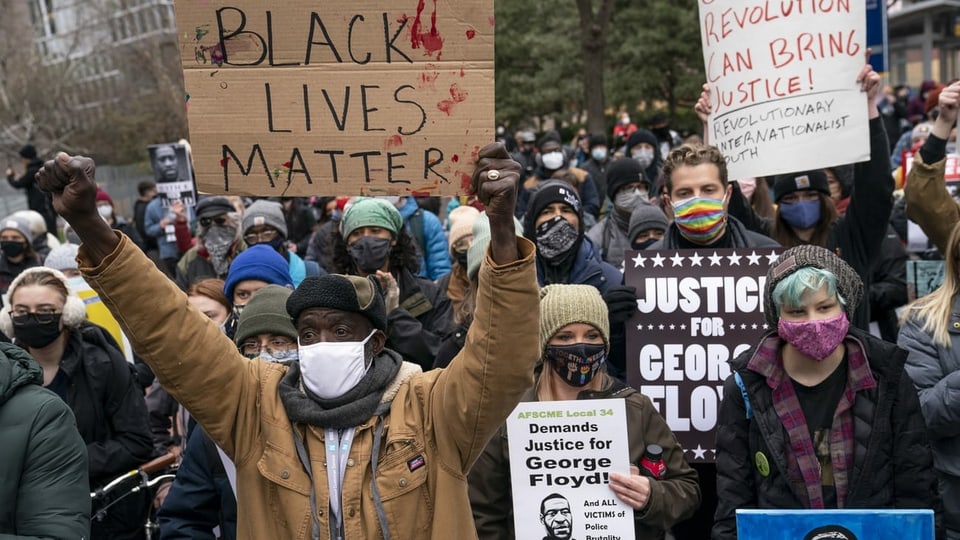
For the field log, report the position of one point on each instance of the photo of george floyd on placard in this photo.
(371, 97)
(173, 173)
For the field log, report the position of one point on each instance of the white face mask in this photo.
(331, 369)
(628, 199)
(643, 156)
(105, 211)
(552, 160)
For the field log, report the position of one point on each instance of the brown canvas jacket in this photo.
(437, 424)
(929, 204)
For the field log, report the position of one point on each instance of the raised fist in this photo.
(71, 182)
(496, 180)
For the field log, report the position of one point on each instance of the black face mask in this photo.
(576, 364)
(555, 238)
(36, 331)
(12, 248)
(645, 244)
(369, 253)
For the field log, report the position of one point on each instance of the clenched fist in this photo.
(71, 182)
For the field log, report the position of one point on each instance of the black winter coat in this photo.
(37, 199)
(107, 400)
(108, 403)
(425, 316)
(892, 466)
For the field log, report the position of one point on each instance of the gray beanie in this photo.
(849, 284)
(264, 212)
(62, 257)
(645, 217)
(19, 224)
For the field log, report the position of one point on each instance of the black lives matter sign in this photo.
(698, 309)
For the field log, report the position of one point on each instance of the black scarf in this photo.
(349, 410)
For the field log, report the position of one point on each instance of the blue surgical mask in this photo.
(599, 153)
(801, 214)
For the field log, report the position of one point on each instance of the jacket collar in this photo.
(767, 362)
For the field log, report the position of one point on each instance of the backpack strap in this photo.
(415, 223)
(743, 392)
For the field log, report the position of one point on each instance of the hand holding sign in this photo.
(633, 490)
(870, 83)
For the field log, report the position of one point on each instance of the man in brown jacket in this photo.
(350, 442)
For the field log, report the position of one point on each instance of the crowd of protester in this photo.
(343, 366)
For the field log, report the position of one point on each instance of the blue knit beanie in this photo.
(257, 262)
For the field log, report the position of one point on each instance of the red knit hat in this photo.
(103, 196)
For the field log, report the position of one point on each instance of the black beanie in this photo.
(346, 293)
(849, 284)
(28, 152)
(547, 193)
(597, 139)
(784, 184)
(639, 136)
(623, 171)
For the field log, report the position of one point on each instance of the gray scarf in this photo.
(349, 410)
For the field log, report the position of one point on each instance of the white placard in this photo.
(782, 78)
(561, 457)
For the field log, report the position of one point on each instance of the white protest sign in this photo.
(782, 78)
(697, 310)
(561, 457)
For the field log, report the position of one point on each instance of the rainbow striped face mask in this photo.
(701, 220)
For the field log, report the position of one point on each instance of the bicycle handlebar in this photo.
(151, 466)
(159, 463)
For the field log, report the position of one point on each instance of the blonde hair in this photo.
(933, 311)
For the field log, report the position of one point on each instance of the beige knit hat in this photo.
(561, 305)
(461, 223)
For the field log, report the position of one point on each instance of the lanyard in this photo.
(338, 444)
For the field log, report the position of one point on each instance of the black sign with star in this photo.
(698, 309)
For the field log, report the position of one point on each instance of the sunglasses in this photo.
(219, 220)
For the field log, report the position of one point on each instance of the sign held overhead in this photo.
(371, 97)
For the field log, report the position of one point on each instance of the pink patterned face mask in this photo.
(816, 339)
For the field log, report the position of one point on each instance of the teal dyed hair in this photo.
(790, 291)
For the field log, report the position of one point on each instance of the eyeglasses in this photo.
(277, 347)
(265, 235)
(42, 315)
(219, 220)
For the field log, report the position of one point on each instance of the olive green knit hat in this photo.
(266, 313)
(561, 305)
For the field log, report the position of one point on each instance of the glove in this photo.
(621, 303)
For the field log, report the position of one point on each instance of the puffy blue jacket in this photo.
(434, 255)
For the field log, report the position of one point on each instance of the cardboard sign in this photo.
(353, 98)
(698, 309)
(173, 172)
(835, 524)
(782, 77)
(561, 457)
